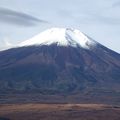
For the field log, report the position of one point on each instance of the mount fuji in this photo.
(61, 37)
(61, 65)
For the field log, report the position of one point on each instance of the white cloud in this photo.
(6, 44)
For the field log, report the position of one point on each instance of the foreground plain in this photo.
(59, 112)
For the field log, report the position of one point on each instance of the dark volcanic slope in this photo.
(59, 70)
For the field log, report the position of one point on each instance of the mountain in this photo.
(60, 37)
(61, 62)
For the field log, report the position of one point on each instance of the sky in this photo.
(22, 19)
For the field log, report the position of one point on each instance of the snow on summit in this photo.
(61, 37)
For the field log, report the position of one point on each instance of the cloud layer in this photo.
(18, 18)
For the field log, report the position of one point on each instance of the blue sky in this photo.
(22, 19)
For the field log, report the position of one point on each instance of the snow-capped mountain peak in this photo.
(61, 37)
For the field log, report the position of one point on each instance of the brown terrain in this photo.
(59, 112)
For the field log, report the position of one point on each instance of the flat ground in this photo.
(59, 112)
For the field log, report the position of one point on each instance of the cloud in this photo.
(18, 18)
(116, 4)
(6, 44)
